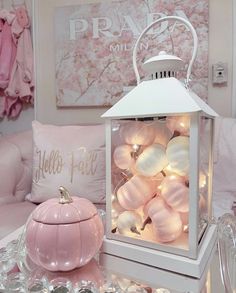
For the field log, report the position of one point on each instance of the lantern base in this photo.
(163, 260)
(156, 277)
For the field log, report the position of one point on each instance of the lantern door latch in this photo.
(220, 73)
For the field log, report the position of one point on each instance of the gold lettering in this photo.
(91, 165)
(60, 164)
(86, 163)
(51, 163)
(39, 172)
(81, 167)
(45, 163)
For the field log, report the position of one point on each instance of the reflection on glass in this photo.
(227, 251)
(16, 283)
(60, 285)
(205, 132)
(37, 284)
(85, 287)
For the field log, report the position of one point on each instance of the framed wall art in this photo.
(87, 48)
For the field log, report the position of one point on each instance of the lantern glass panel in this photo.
(205, 172)
(149, 180)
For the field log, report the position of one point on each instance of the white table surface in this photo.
(210, 282)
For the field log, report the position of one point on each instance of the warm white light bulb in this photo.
(202, 180)
(135, 147)
(185, 228)
(113, 213)
(114, 223)
(113, 198)
(168, 168)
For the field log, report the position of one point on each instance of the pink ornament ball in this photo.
(136, 192)
(122, 156)
(138, 132)
(167, 224)
(175, 193)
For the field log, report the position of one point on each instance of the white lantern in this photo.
(167, 131)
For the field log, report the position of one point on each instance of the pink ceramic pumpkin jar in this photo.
(64, 234)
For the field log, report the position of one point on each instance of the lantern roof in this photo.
(162, 62)
(158, 97)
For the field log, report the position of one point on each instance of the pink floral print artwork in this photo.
(94, 43)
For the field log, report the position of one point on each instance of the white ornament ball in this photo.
(128, 223)
(177, 153)
(152, 160)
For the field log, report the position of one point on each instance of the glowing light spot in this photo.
(135, 147)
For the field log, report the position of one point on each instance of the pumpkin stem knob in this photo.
(65, 196)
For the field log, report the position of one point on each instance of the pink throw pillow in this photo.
(71, 156)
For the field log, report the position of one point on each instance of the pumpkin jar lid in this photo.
(67, 210)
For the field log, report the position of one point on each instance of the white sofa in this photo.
(16, 175)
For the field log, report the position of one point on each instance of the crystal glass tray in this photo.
(104, 273)
(18, 273)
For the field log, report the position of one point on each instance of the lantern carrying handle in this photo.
(165, 18)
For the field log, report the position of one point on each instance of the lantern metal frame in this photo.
(193, 260)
